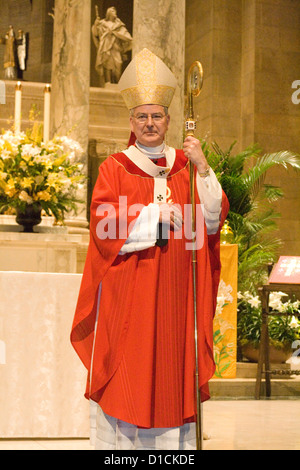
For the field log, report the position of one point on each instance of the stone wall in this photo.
(213, 36)
(276, 117)
(250, 51)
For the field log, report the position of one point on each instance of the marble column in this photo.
(71, 80)
(161, 29)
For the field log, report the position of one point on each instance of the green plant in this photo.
(39, 174)
(283, 330)
(251, 217)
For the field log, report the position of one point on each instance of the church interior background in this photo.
(250, 52)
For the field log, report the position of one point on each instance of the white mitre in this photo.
(147, 80)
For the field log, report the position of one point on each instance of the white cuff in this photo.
(144, 233)
(210, 194)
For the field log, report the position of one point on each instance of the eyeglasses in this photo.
(143, 117)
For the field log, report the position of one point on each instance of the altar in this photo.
(42, 381)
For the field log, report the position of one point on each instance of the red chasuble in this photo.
(134, 322)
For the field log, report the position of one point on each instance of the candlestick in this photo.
(18, 101)
(47, 94)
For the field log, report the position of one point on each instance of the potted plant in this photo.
(251, 217)
(252, 220)
(284, 331)
(36, 176)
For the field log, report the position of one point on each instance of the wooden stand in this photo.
(263, 365)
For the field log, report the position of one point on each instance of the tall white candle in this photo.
(47, 95)
(18, 101)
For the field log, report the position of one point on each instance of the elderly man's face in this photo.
(150, 124)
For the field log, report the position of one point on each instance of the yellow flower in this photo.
(10, 183)
(10, 192)
(48, 164)
(10, 189)
(27, 182)
(44, 195)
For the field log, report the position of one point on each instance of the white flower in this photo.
(224, 296)
(4, 154)
(247, 295)
(53, 147)
(224, 326)
(296, 304)
(30, 150)
(225, 291)
(294, 323)
(254, 301)
(275, 300)
(24, 196)
(221, 300)
(13, 140)
(72, 147)
(66, 184)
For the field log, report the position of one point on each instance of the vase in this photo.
(276, 355)
(29, 217)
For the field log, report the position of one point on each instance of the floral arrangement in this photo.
(284, 331)
(38, 174)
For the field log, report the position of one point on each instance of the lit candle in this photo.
(18, 100)
(47, 92)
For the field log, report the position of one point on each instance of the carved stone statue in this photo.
(21, 49)
(112, 41)
(10, 69)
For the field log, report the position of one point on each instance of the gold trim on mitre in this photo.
(147, 80)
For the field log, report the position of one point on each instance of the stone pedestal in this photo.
(42, 252)
(49, 249)
(161, 28)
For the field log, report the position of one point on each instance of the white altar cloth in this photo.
(42, 380)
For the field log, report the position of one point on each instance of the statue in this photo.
(21, 51)
(15, 54)
(112, 41)
(9, 54)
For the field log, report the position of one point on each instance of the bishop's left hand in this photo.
(193, 151)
